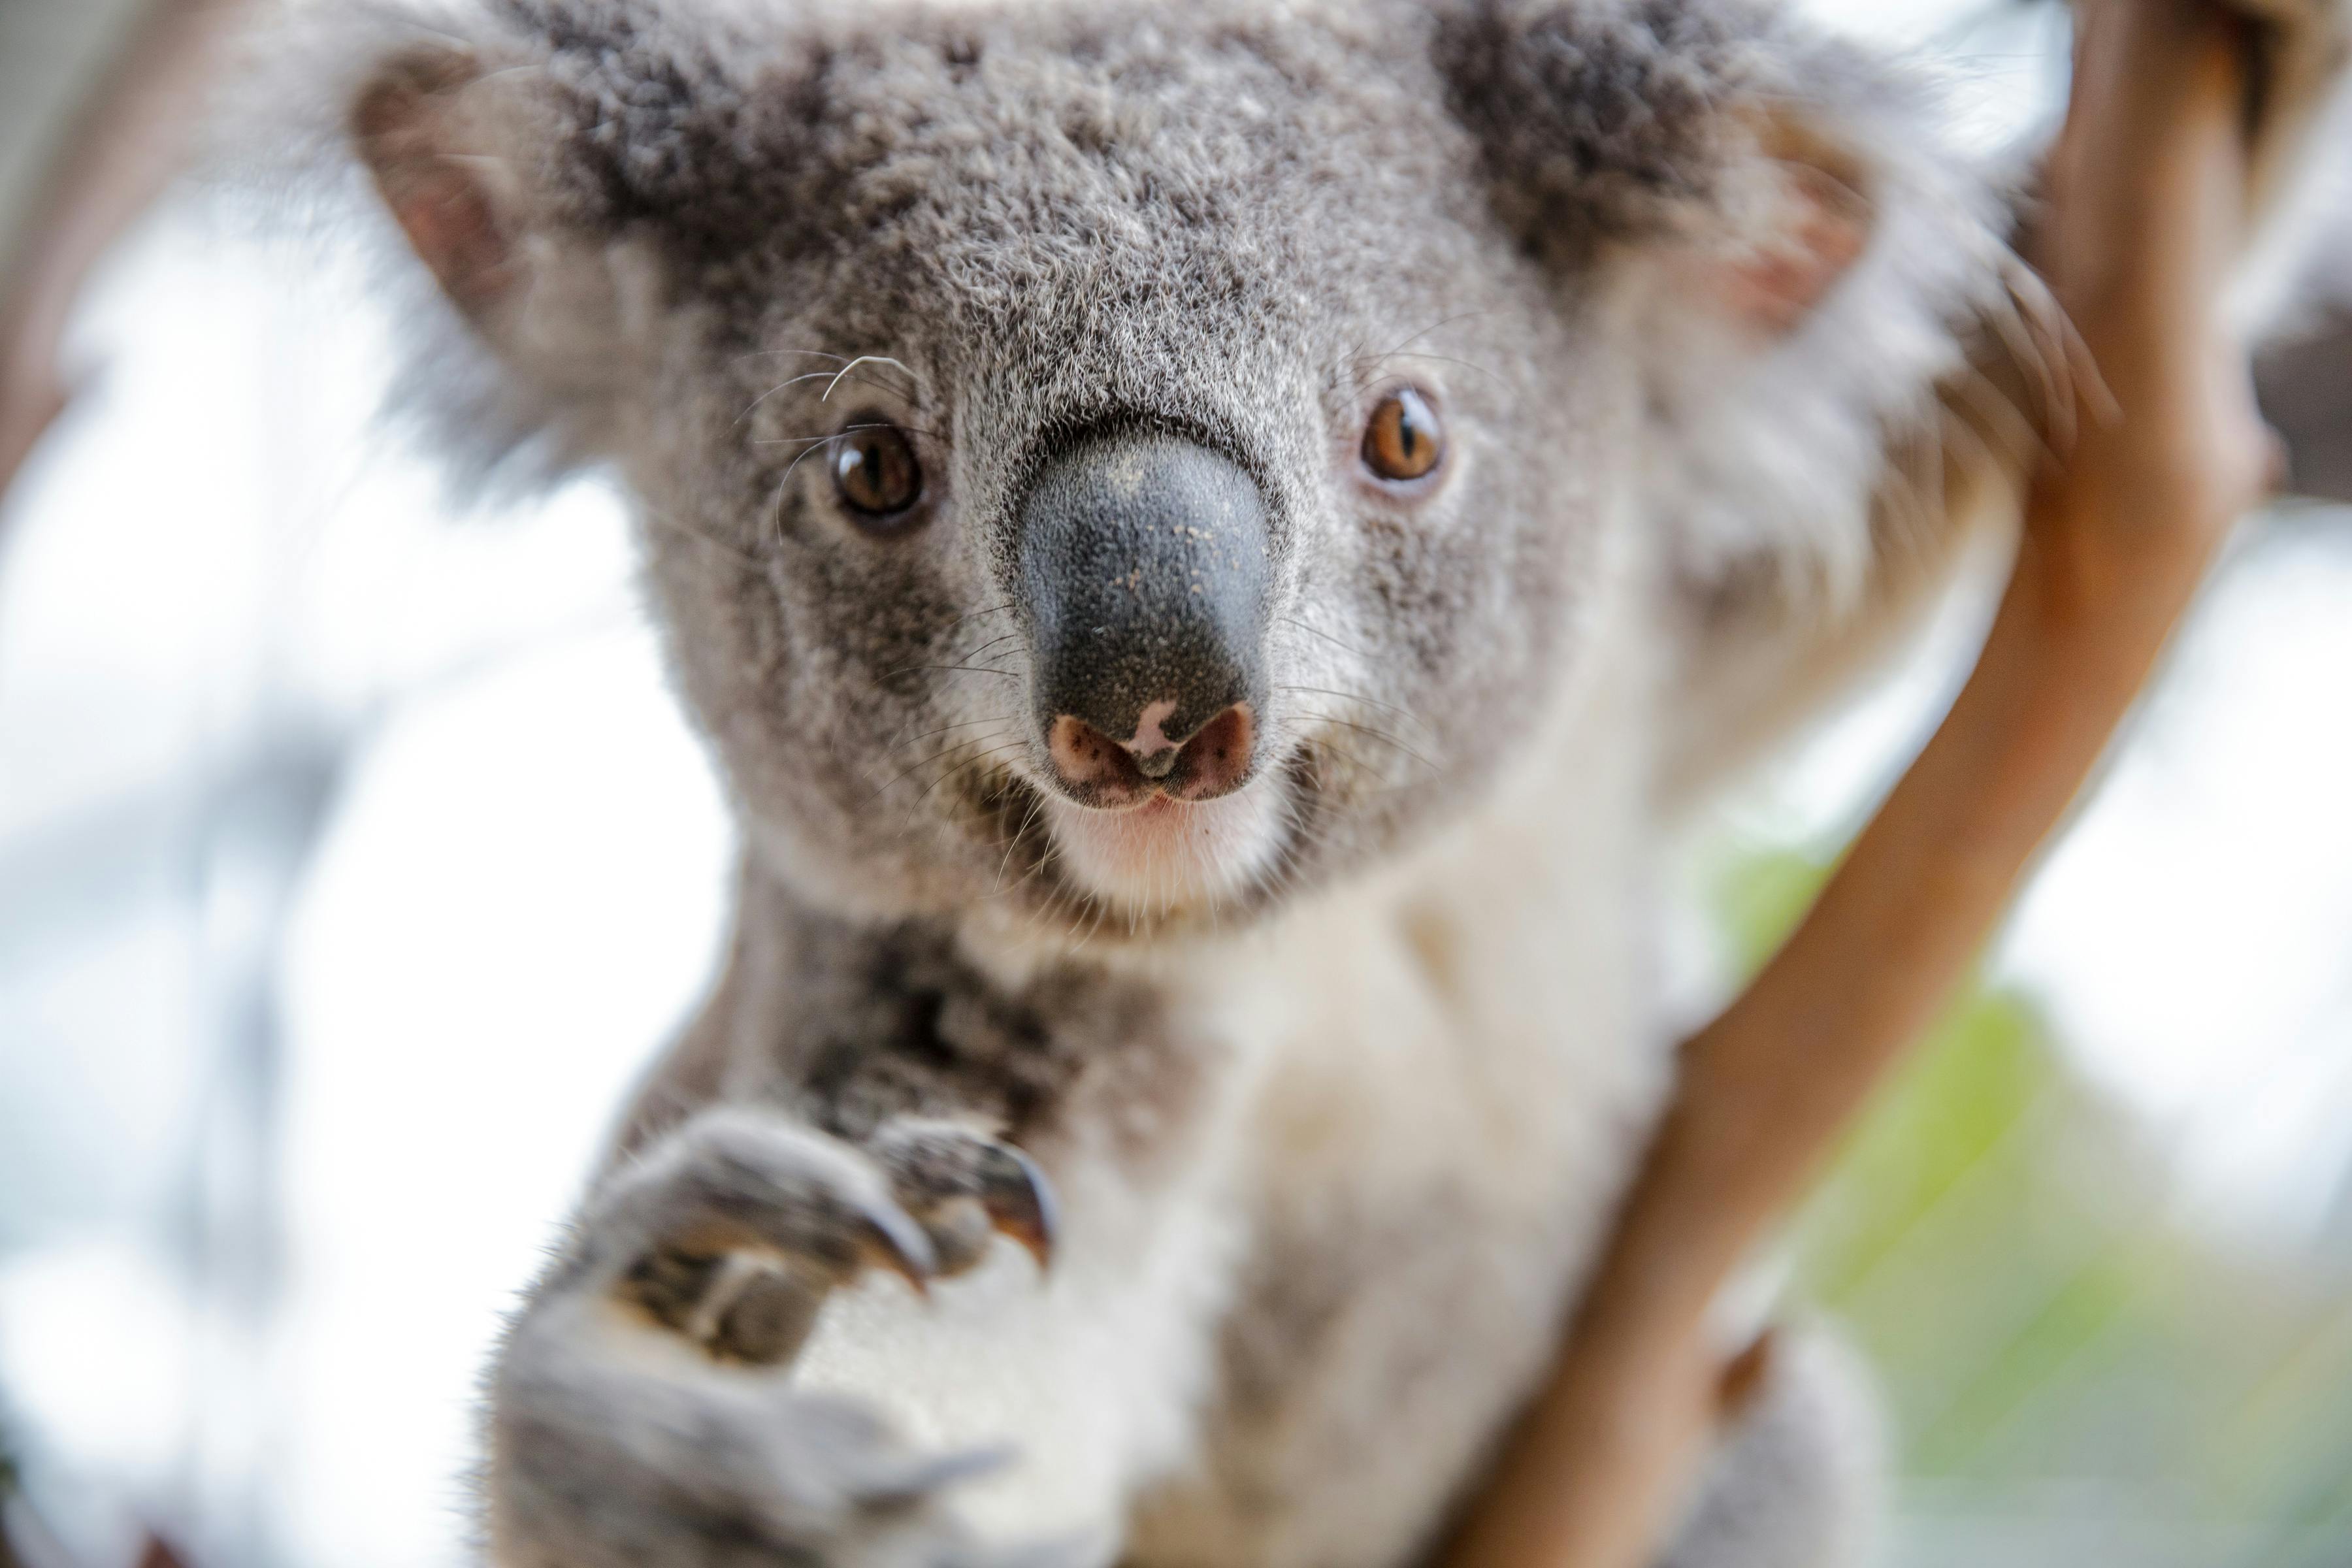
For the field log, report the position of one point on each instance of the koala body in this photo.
(1289, 1296)
(1205, 541)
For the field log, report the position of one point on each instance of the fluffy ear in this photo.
(1817, 289)
(438, 148)
(557, 166)
(1797, 257)
(519, 150)
(1695, 146)
(483, 153)
(1762, 264)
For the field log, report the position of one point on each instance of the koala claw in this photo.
(730, 1233)
(734, 1232)
(964, 1186)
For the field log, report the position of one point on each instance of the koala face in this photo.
(1149, 492)
(1117, 464)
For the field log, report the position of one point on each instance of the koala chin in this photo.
(1208, 540)
(1166, 856)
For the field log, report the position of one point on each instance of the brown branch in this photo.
(2145, 217)
(128, 141)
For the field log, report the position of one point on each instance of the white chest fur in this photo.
(1293, 1352)
(1462, 1063)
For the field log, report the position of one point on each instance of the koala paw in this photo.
(965, 1188)
(736, 1231)
(729, 1233)
(600, 1466)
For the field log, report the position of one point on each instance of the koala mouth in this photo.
(1169, 856)
(1146, 866)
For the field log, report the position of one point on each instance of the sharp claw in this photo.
(1020, 1202)
(888, 1239)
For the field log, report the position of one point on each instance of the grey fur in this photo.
(1337, 1112)
(1799, 1479)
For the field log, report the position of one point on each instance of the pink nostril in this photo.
(1214, 761)
(1094, 767)
(1217, 760)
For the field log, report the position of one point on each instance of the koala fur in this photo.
(1334, 1081)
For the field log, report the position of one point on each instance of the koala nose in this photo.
(1144, 570)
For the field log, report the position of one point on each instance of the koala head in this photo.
(1118, 463)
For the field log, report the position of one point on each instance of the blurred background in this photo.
(353, 858)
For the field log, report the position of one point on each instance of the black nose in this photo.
(1143, 568)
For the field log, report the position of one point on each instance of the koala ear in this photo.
(463, 151)
(1764, 262)
(1670, 138)
(426, 134)
(1798, 264)
(485, 161)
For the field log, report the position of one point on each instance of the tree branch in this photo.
(126, 143)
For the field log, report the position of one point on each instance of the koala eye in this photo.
(1404, 440)
(875, 470)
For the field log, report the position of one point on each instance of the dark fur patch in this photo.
(1598, 120)
(890, 1021)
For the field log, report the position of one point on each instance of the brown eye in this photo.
(1404, 440)
(874, 468)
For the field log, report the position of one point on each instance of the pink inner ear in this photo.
(404, 125)
(449, 222)
(1819, 231)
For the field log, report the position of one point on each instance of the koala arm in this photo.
(786, 1326)
(634, 1417)
(641, 1405)
(768, 1344)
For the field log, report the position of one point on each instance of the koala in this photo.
(1208, 541)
